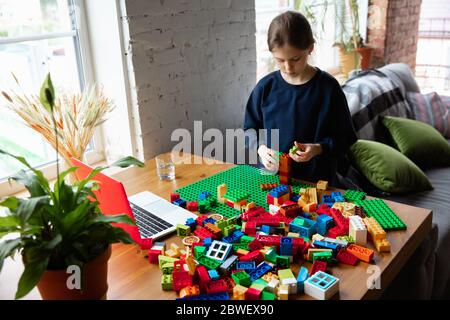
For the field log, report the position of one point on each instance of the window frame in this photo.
(80, 35)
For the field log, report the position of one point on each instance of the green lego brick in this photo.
(271, 256)
(260, 282)
(183, 230)
(209, 263)
(242, 177)
(379, 210)
(298, 222)
(241, 278)
(167, 282)
(265, 295)
(285, 274)
(354, 195)
(199, 251)
(222, 224)
(167, 268)
(237, 246)
(236, 195)
(282, 262)
(322, 256)
(247, 239)
(164, 259)
(228, 230)
(349, 239)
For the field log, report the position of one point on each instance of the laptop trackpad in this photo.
(161, 208)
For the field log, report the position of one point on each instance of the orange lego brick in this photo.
(362, 253)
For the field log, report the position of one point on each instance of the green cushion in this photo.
(419, 141)
(388, 169)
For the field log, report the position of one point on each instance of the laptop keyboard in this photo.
(148, 223)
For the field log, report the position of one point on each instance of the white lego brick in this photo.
(358, 230)
(272, 286)
(273, 209)
(321, 286)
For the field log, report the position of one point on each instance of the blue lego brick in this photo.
(214, 296)
(209, 220)
(213, 274)
(238, 234)
(207, 242)
(337, 196)
(180, 202)
(327, 245)
(308, 228)
(295, 197)
(203, 195)
(279, 191)
(324, 223)
(301, 278)
(248, 266)
(260, 270)
(190, 222)
(306, 215)
(265, 229)
(328, 200)
(286, 246)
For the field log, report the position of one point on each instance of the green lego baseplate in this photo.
(379, 210)
(354, 195)
(243, 177)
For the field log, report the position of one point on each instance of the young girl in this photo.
(306, 104)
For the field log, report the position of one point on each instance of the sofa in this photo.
(371, 95)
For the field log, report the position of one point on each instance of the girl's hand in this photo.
(268, 158)
(306, 151)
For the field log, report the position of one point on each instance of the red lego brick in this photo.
(324, 209)
(252, 294)
(269, 199)
(318, 266)
(216, 286)
(153, 256)
(250, 228)
(339, 220)
(202, 233)
(268, 186)
(252, 256)
(146, 244)
(336, 232)
(174, 196)
(192, 206)
(230, 284)
(269, 240)
(181, 279)
(290, 209)
(202, 277)
(230, 204)
(200, 220)
(345, 257)
(254, 245)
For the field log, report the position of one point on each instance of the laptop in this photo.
(154, 216)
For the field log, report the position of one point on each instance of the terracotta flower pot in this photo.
(53, 284)
(348, 61)
(366, 55)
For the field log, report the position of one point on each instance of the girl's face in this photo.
(290, 60)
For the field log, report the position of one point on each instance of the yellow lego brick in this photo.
(322, 185)
(269, 276)
(239, 292)
(312, 193)
(172, 254)
(382, 245)
(174, 247)
(293, 235)
(283, 292)
(375, 229)
(317, 237)
(241, 252)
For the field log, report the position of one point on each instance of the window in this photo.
(433, 47)
(40, 37)
(322, 16)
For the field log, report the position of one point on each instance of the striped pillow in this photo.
(430, 108)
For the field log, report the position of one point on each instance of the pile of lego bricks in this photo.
(249, 255)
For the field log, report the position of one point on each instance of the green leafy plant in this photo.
(347, 36)
(56, 226)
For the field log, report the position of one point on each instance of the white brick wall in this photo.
(192, 60)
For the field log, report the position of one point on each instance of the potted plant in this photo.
(63, 238)
(353, 53)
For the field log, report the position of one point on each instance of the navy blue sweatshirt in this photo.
(313, 112)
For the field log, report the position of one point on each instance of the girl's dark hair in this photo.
(290, 28)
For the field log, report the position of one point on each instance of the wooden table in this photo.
(132, 277)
